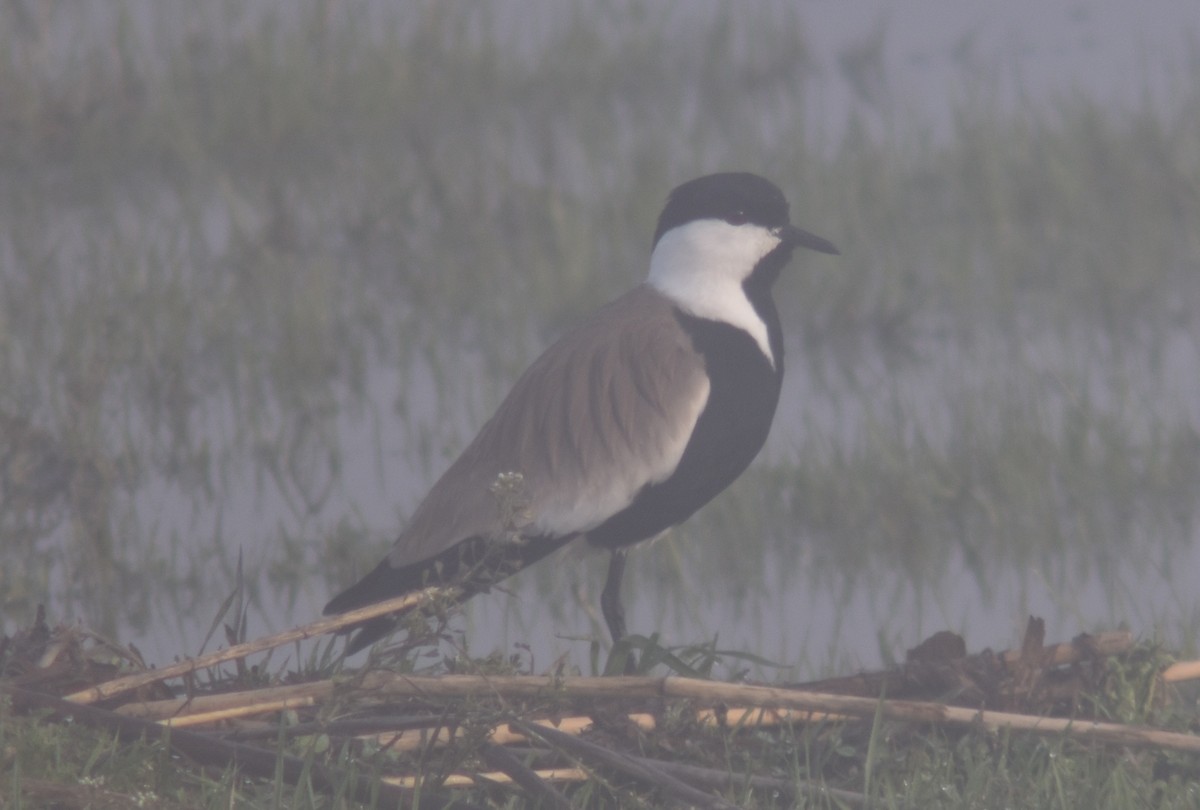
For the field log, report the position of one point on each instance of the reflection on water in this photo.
(262, 324)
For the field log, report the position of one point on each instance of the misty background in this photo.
(266, 267)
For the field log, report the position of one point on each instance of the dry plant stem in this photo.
(464, 780)
(416, 733)
(1182, 671)
(936, 713)
(630, 766)
(235, 712)
(317, 628)
(354, 727)
(874, 684)
(209, 750)
(723, 780)
(709, 777)
(204, 709)
(412, 739)
(226, 705)
(1101, 644)
(390, 685)
(537, 788)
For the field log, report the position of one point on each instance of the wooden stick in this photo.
(235, 712)
(318, 628)
(1112, 643)
(921, 674)
(1102, 644)
(630, 766)
(538, 788)
(391, 685)
(1182, 671)
(227, 704)
(464, 780)
(204, 709)
(937, 713)
(760, 716)
(208, 750)
(504, 734)
(724, 780)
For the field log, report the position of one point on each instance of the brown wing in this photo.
(605, 411)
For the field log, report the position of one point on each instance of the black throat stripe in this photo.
(731, 430)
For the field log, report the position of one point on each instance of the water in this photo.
(883, 424)
(1019, 53)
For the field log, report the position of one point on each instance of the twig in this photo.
(625, 764)
(234, 712)
(534, 785)
(229, 704)
(725, 780)
(937, 713)
(925, 676)
(466, 780)
(208, 709)
(391, 685)
(212, 751)
(1083, 647)
(351, 727)
(318, 628)
(1182, 671)
(735, 717)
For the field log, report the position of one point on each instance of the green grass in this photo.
(895, 764)
(45, 764)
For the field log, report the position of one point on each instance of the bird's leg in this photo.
(610, 598)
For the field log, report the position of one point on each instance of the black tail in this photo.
(384, 582)
(370, 631)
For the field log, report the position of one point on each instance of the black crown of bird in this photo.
(628, 423)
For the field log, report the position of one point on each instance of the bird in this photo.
(628, 423)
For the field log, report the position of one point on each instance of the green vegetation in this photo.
(262, 274)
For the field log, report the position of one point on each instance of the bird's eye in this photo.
(738, 218)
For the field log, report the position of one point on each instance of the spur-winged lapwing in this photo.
(629, 423)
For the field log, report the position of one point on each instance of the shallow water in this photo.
(960, 443)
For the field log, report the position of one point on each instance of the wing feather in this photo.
(607, 410)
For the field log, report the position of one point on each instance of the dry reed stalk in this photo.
(536, 788)
(1070, 652)
(383, 684)
(1100, 644)
(464, 780)
(759, 716)
(231, 704)
(387, 685)
(237, 712)
(1182, 671)
(935, 713)
(737, 717)
(631, 766)
(390, 685)
(417, 738)
(204, 709)
(505, 734)
(333, 624)
(210, 751)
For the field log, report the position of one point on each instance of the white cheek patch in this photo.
(701, 266)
